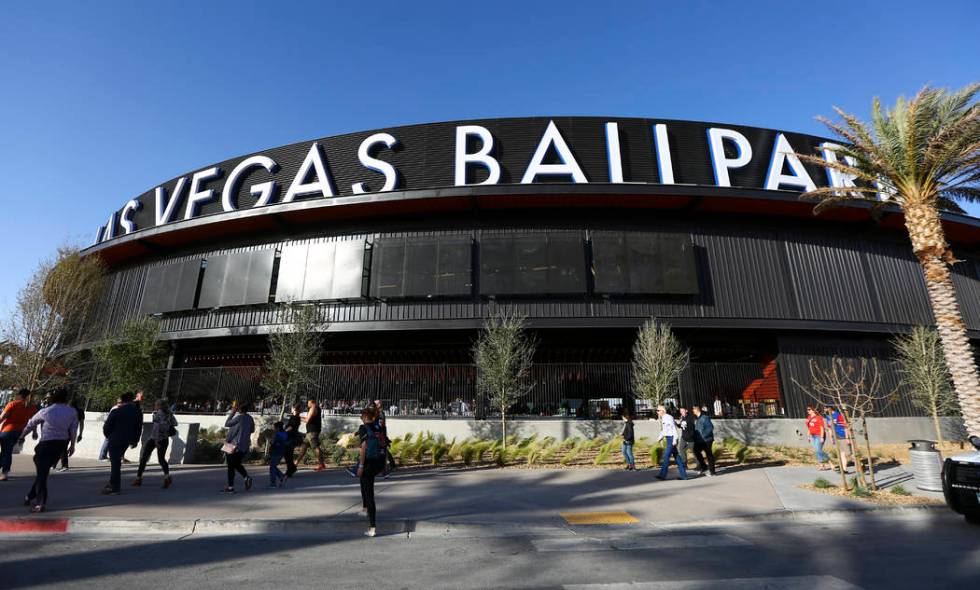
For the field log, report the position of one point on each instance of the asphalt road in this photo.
(893, 551)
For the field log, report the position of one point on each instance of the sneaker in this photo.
(107, 491)
(40, 508)
(248, 483)
(710, 474)
(166, 482)
(320, 467)
(660, 477)
(351, 471)
(61, 469)
(370, 532)
(227, 490)
(137, 482)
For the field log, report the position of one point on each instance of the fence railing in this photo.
(569, 390)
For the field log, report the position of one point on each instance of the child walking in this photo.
(628, 440)
(280, 438)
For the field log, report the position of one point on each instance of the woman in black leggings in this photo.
(372, 461)
(164, 426)
(240, 428)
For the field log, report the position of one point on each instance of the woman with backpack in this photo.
(164, 426)
(371, 462)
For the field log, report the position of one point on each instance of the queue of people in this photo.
(686, 432)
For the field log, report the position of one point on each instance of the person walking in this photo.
(685, 438)
(628, 439)
(382, 423)
(834, 419)
(13, 420)
(314, 424)
(123, 429)
(240, 428)
(818, 436)
(704, 438)
(59, 426)
(81, 428)
(104, 451)
(277, 449)
(164, 426)
(668, 432)
(370, 463)
(294, 439)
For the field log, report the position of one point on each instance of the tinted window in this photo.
(532, 264)
(643, 263)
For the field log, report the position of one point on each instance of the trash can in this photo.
(927, 465)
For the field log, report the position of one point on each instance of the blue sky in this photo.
(101, 101)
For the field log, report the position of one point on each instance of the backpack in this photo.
(172, 426)
(375, 443)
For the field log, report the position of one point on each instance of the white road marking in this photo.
(637, 542)
(777, 583)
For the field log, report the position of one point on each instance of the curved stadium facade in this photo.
(404, 239)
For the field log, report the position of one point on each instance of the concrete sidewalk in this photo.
(438, 501)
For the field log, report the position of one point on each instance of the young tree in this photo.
(658, 359)
(130, 360)
(920, 358)
(503, 354)
(293, 352)
(51, 311)
(853, 388)
(922, 156)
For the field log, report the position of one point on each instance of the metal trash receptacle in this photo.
(927, 465)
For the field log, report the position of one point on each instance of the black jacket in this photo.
(124, 426)
(686, 426)
(628, 433)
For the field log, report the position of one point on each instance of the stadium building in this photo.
(406, 238)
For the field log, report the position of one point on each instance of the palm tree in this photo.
(921, 156)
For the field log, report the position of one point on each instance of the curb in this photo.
(310, 529)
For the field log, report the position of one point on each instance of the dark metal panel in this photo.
(966, 279)
(213, 282)
(896, 279)
(828, 279)
(152, 290)
(292, 273)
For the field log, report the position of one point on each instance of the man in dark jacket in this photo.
(686, 439)
(704, 436)
(123, 428)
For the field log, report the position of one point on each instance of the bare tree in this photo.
(503, 354)
(51, 310)
(293, 351)
(658, 359)
(853, 388)
(922, 363)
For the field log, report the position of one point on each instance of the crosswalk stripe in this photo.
(637, 542)
(773, 583)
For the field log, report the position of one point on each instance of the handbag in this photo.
(229, 448)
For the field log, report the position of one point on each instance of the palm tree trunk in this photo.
(929, 246)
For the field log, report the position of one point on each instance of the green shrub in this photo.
(408, 437)
(900, 491)
(339, 454)
(741, 453)
(439, 451)
(657, 453)
(528, 441)
(859, 490)
(822, 484)
(573, 453)
(467, 453)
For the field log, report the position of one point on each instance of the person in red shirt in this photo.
(12, 422)
(815, 426)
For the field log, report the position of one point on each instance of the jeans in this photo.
(290, 457)
(702, 448)
(628, 454)
(234, 461)
(671, 451)
(275, 475)
(682, 447)
(8, 440)
(116, 453)
(372, 467)
(104, 451)
(46, 455)
(161, 448)
(817, 441)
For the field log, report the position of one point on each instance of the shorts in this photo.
(312, 439)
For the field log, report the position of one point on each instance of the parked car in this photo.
(961, 483)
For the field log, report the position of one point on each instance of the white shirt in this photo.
(717, 407)
(57, 422)
(667, 427)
